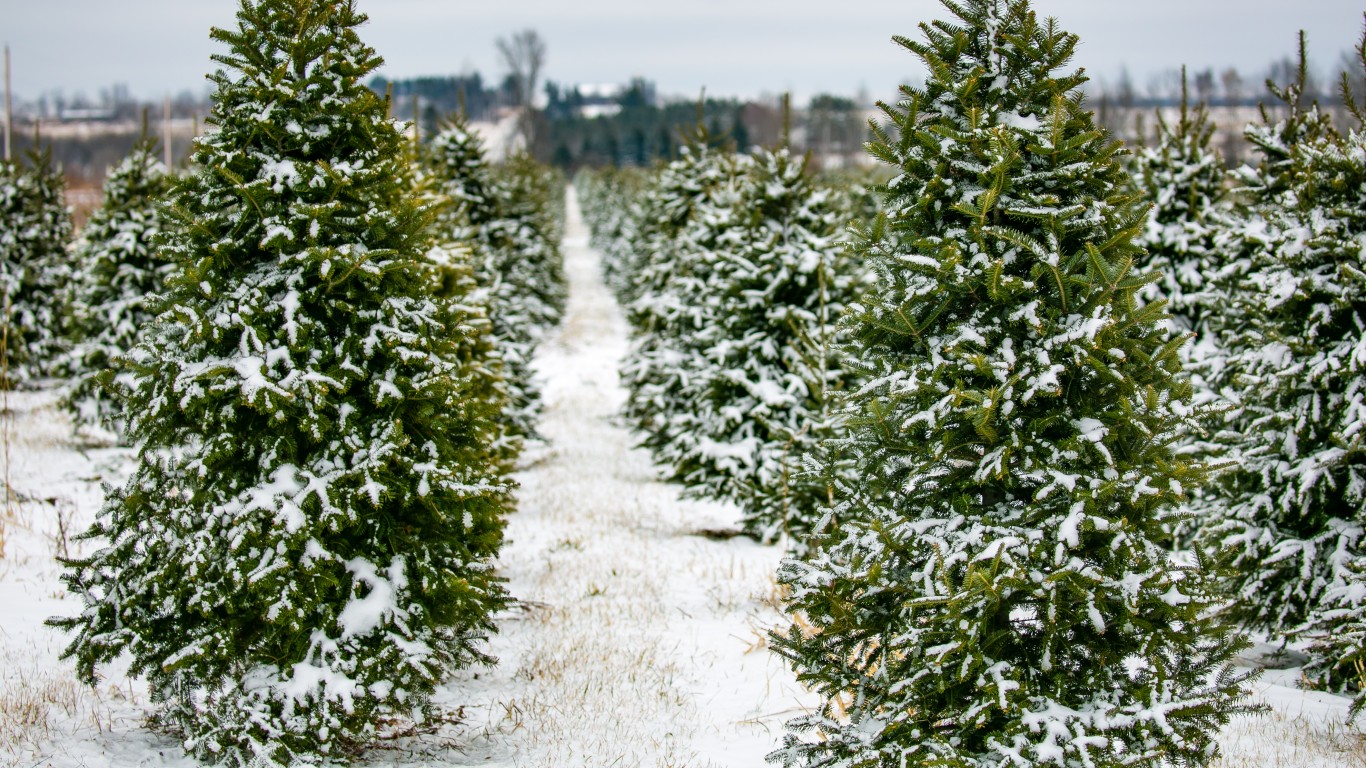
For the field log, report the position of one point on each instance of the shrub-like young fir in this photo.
(35, 269)
(302, 552)
(689, 214)
(120, 271)
(610, 199)
(1312, 445)
(990, 592)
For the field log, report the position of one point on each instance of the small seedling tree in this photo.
(35, 270)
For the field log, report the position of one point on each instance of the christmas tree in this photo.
(506, 219)
(302, 552)
(119, 273)
(1183, 177)
(35, 228)
(689, 214)
(611, 203)
(466, 303)
(1317, 511)
(762, 358)
(990, 592)
(1292, 512)
(609, 200)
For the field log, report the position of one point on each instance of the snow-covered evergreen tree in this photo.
(1293, 510)
(302, 552)
(667, 206)
(761, 360)
(1184, 179)
(119, 271)
(990, 592)
(35, 268)
(610, 200)
(1311, 508)
(466, 307)
(1294, 118)
(688, 215)
(507, 220)
(527, 265)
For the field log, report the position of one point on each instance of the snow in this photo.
(366, 612)
(635, 642)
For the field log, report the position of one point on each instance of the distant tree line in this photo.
(638, 135)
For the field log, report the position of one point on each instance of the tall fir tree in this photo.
(990, 593)
(119, 273)
(1292, 512)
(690, 213)
(303, 549)
(527, 264)
(456, 287)
(35, 268)
(1321, 523)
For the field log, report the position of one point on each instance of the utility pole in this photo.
(166, 128)
(417, 138)
(9, 111)
(787, 119)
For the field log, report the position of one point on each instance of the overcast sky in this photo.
(733, 47)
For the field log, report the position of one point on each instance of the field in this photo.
(637, 639)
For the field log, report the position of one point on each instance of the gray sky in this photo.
(733, 47)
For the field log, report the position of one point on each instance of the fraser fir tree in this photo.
(761, 359)
(303, 550)
(527, 264)
(119, 271)
(1183, 177)
(668, 205)
(1277, 135)
(507, 221)
(609, 199)
(35, 230)
(989, 593)
(456, 287)
(1293, 510)
(689, 214)
(1317, 513)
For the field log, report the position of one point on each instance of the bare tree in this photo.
(524, 55)
(1204, 86)
(1232, 81)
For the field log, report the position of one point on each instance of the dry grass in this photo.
(1280, 740)
(41, 707)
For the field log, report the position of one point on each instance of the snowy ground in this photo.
(637, 642)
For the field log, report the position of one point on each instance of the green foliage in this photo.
(662, 280)
(1183, 177)
(35, 228)
(1292, 512)
(753, 369)
(303, 551)
(609, 199)
(990, 591)
(511, 219)
(119, 272)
